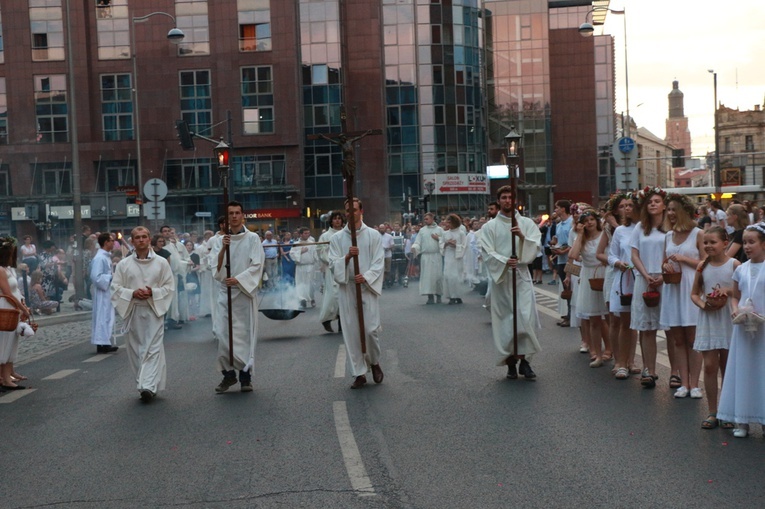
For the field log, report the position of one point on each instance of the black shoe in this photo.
(438, 299)
(246, 387)
(147, 395)
(430, 300)
(225, 384)
(339, 326)
(512, 372)
(327, 326)
(458, 301)
(525, 370)
(106, 348)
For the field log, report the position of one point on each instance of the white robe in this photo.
(496, 245)
(247, 259)
(330, 309)
(305, 264)
(179, 257)
(431, 262)
(103, 312)
(453, 262)
(371, 265)
(205, 279)
(144, 323)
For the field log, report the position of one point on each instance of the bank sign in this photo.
(459, 183)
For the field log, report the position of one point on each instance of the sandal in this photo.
(710, 422)
(727, 425)
(675, 382)
(622, 374)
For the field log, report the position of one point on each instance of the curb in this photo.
(77, 316)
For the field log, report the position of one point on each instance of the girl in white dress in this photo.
(743, 392)
(9, 341)
(683, 251)
(618, 256)
(714, 326)
(590, 307)
(647, 243)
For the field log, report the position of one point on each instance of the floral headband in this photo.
(760, 227)
(589, 213)
(7, 241)
(618, 197)
(647, 191)
(684, 202)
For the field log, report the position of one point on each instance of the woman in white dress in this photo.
(590, 306)
(12, 299)
(742, 399)
(647, 243)
(683, 250)
(619, 257)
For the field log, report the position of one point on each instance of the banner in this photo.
(457, 183)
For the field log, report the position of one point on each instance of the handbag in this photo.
(572, 269)
(625, 299)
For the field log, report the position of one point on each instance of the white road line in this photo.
(61, 374)
(360, 481)
(340, 362)
(10, 397)
(97, 358)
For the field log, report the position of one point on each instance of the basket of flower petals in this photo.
(651, 298)
(716, 299)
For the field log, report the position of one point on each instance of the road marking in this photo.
(340, 362)
(97, 358)
(354, 465)
(12, 396)
(61, 374)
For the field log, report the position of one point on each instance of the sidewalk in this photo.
(66, 315)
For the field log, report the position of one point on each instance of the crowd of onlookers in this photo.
(649, 261)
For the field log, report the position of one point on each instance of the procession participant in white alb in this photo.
(371, 259)
(305, 263)
(431, 262)
(496, 238)
(330, 309)
(205, 275)
(103, 311)
(271, 268)
(177, 261)
(452, 245)
(246, 255)
(142, 291)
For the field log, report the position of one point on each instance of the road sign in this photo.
(626, 144)
(203, 214)
(624, 153)
(155, 190)
(154, 210)
(133, 210)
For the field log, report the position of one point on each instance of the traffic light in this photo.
(184, 135)
(678, 158)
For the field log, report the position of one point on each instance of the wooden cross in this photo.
(346, 140)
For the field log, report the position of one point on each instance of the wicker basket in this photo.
(625, 298)
(566, 294)
(597, 283)
(651, 298)
(9, 319)
(572, 268)
(717, 302)
(672, 278)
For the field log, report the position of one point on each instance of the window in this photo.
(3, 113)
(113, 174)
(5, 180)
(260, 171)
(51, 109)
(196, 100)
(191, 174)
(52, 178)
(47, 29)
(727, 145)
(113, 29)
(254, 25)
(257, 100)
(749, 143)
(117, 107)
(191, 16)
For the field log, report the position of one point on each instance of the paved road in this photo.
(445, 429)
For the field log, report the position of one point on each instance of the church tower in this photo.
(678, 135)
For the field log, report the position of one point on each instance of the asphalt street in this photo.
(445, 429)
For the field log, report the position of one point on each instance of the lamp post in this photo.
(513, 142)
(718, 171)
(430, 186)
(175, 35)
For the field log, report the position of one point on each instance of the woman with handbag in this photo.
(623, 339)
(11, 300)
(647, 243)
(590, 306)
(683, 251)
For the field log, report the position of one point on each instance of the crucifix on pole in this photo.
(345, 140)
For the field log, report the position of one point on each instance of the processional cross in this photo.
(345, 141)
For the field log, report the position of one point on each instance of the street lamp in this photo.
(587, 29)
(513, 145)
(175, 35)
(430, 186)
(718, 171)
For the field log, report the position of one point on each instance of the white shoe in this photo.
(741, 432)
(696, 393)
(596, 363)
(681, 392)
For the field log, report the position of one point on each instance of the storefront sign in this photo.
(271, 213)
(458, 183)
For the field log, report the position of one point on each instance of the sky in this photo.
(681, 40)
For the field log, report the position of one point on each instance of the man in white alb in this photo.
(329, 306)
(103, 311)
(304, 257)
(426, 246)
